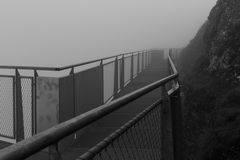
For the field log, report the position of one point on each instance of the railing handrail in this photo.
(28, 147)
(65, 67)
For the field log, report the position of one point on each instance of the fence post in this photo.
(166, 126)
(35, 102)
(147, 58)
(132, 67)
(122, 73)
(143, 61)
(74, 91)
(177, 125)
(138, 63)
(102, 70)
(54, 153)
(115, 91)
(19, 109)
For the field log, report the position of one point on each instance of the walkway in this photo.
(103, 127)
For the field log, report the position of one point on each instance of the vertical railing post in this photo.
(146, 52)
(138, 63)
(143, 61)
(122, 73)
(115, 91)
(177, 120)
(166, 126)
(101, 66)
(19, 109)
(74, 91)
(132, 61)
(35, 102)
(150, 59)
(54, 153)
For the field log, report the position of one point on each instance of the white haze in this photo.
(61, 32)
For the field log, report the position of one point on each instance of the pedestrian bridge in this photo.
(126, 106)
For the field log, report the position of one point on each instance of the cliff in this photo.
(210, 66)
(216, 47)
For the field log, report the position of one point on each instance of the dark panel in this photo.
(89, 89)
(66, 106)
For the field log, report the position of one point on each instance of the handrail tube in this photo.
(40, 141)
(64, 67)
(30, 68)
(172, 64)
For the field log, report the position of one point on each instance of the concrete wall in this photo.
(47, 108)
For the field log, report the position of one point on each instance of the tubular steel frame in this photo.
(18, 132)
(53, 135)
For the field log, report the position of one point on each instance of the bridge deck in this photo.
(105, 126)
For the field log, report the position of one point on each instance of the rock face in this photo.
(210, 63)
(222, 37)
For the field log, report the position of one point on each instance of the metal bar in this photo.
(131, 69)
(61, 68)
(166, 126)
(32, 106)
(138, 63)
(115, 77)
(30, 68)
(38, 142)
(19, 109)
(35, 101)
(74, 91)
(84, 63)
(122, 73)
(102, 70)
(14, 109)
(177, 121)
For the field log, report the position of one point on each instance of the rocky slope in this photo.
(222, 37)
(210, 66)
(218, 42)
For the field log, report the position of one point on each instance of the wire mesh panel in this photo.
(127, 69)
(27, 104)
(108, 80)
(7, 106)
(138, 139)
(135, 65)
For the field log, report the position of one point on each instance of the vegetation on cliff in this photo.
(210, 74)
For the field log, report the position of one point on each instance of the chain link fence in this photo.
(138, 139)
(7, 109)
(27, 104)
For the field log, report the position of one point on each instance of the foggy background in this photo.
(62, 32)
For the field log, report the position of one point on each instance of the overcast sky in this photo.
(60, 32)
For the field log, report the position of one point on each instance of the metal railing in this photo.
(19, 93)
(167, 110)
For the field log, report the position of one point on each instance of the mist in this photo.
(61, 32)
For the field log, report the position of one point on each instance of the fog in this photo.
(61, 32)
